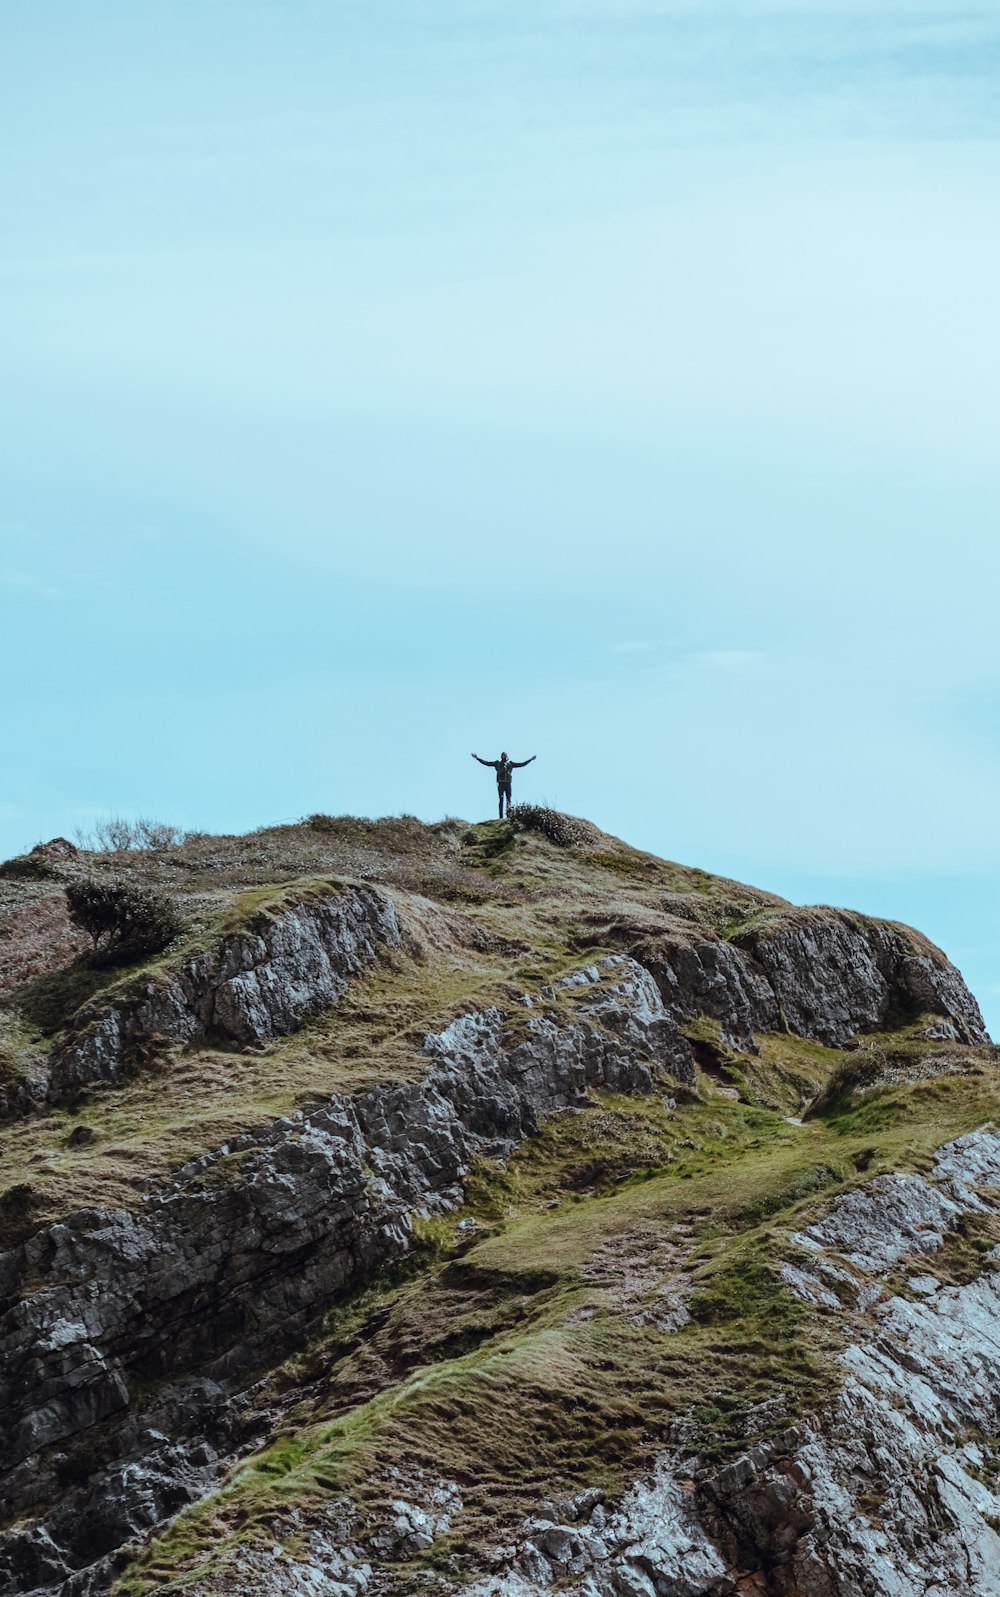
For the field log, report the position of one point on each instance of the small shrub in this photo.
(325, 823)
(558, 828)
(112, 836)
(157, 834)
(857, 1074)
(117, 835)
(27, 868)
(125, 923)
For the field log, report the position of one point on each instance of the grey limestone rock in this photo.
(652, 1545)
(921, 1376)
(249, 987)
(200, 1284)
(701, 976)
(819, 973)
(876, 1225)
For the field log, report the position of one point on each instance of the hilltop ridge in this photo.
(439, 1173)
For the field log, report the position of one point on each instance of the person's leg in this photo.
(500, 797)
(506, 794)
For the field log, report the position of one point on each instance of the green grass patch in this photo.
(258, 908)
(628, 864)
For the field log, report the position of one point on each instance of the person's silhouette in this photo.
(503, 767)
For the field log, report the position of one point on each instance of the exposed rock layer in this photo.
(202, 1282)
(254, 985)
(824, 974)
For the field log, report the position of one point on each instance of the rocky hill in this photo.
(491, 1210)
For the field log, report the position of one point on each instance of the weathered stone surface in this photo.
(701, 976)
(879, 1223)
(250, 987)
(201, 1283)
(24, 1087)
(885, 1492)
(820, 973)
(651, 1546)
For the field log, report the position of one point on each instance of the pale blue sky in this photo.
(613, 381)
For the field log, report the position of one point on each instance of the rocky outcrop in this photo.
(699, 976)
(651, 1544)
(56, 848)
(819, 973)
(23, 1072)
(259, 983)
(196, 1287)
(891, 1491)
(822, 974)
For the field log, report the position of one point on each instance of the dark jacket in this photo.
(503, 768)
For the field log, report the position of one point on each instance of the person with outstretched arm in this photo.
(503, 767)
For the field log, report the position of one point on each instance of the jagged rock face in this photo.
(820, 974)
(201, 1283)
(248, 988)
(697, 976)
(921, 1380)
(880, 1495)
(28, 1087)
(825, 975)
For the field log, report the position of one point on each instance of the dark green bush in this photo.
(126, 923)
(27, 868)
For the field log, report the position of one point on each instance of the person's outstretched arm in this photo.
(484, 762)
(518, 763)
